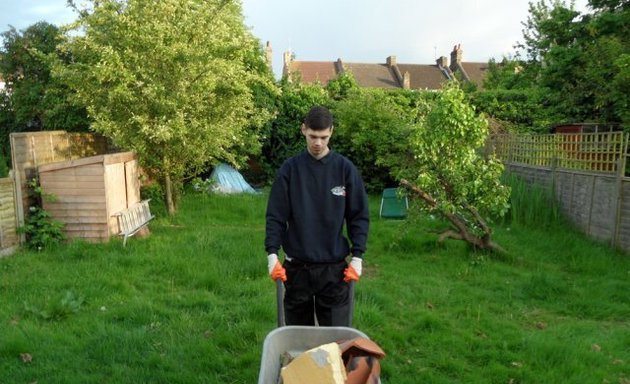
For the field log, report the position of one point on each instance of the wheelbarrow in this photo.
(292, 340)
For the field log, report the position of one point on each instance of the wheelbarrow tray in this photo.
(295, 339)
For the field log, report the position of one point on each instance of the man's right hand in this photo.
(276, 271)
(353, 272)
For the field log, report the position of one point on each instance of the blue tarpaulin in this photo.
(226, 179)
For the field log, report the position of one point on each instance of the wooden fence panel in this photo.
(8, 235)
(32, 149)
(580, 151)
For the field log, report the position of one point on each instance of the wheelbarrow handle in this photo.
(350, 302)
(280, 302)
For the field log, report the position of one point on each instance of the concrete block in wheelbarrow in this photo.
(320, 365)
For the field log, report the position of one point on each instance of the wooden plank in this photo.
(97, 230)
(71, 220)
(116, 192)
(120, 157)
(9, 238)
(60, 193)
(52, 183)
(94, 170)
(72, 163)
(61, 177)
(98, 159)
(81, 199)
(6, 194)
(87, 237)
(132, 181)
(80, 206)
(24, 135)
(61, 211)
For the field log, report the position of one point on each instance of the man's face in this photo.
(317, 140)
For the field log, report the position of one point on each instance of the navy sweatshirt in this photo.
(309, 203)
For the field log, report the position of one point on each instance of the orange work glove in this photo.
(353, 272)
(276, 271)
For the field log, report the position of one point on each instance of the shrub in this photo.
(372, 129)
(40, 229)
(282, 138)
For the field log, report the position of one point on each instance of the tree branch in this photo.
(462, 232)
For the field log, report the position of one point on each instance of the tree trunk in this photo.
(462, 232)
(168, 187)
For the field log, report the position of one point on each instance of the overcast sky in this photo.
(359, 31)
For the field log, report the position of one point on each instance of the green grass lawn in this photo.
(193, 303)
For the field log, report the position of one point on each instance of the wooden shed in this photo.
(32, 149)
(87, 192)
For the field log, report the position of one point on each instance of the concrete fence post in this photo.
(619, 199)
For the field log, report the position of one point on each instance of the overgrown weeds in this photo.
(59, 309)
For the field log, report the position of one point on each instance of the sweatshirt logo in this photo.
(339, 191)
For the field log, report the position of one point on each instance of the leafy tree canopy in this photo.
(171, 80)
(576, 61)
(34, 99)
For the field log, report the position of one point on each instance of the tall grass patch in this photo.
(531, 205)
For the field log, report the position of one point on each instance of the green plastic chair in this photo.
(393, 206)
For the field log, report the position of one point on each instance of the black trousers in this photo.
(316, 291)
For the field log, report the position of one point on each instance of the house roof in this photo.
(389, 74)
(313, 71)
(422, 76)
(372, 75)
(476, 71)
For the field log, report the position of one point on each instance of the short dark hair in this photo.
(318, 118)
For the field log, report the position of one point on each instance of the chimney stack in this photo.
(406, 80)
(339, 67)
(456, 57)
(442, 62)
(287, 58)
(268, 54)
(391, 61)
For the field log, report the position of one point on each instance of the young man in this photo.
(313, 195)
